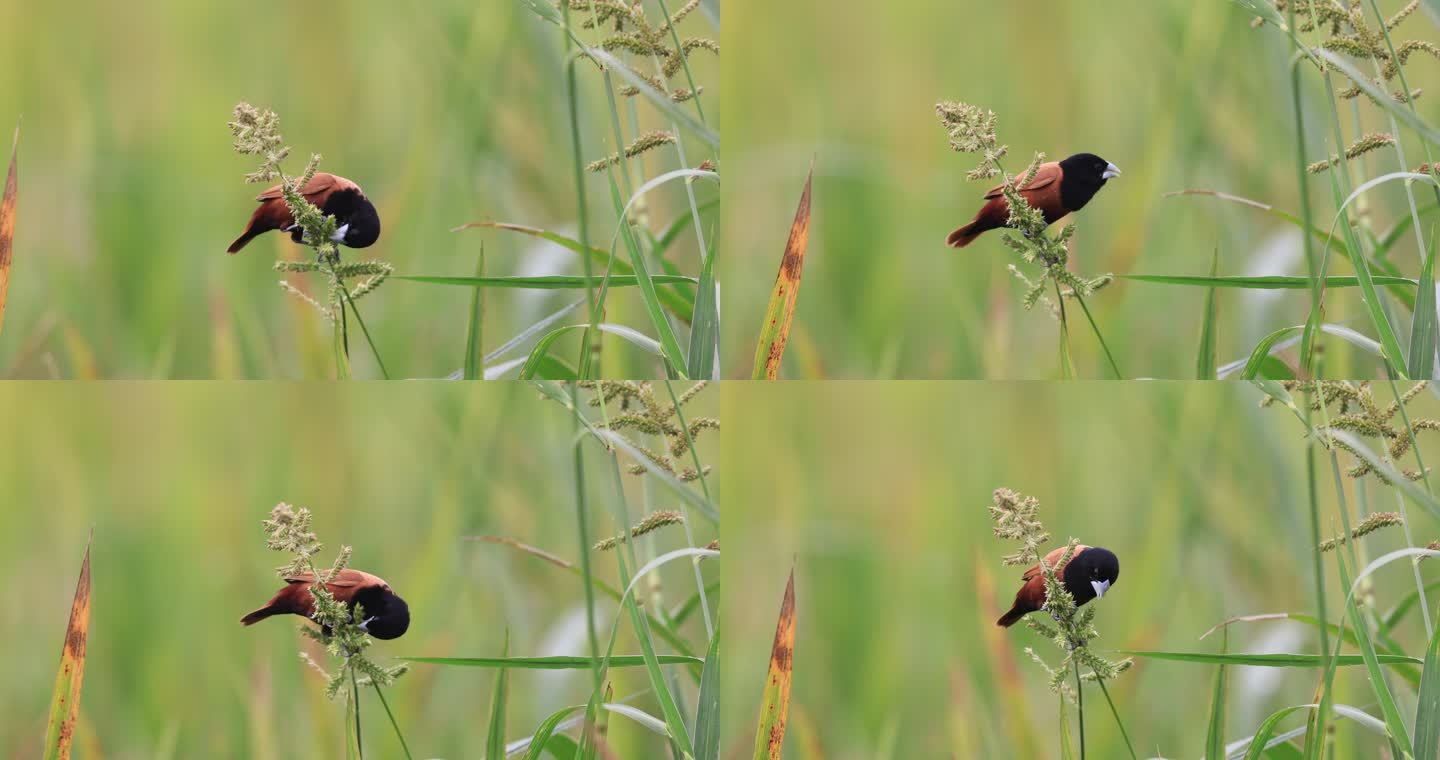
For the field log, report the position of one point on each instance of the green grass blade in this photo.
(559, 662)
(673, 720)
(1215, 738)
(65, 699)
(667, 632)
(1372, 660)
(532, 331)
(707, 712)
(542, 346)
(1423, 324)
(705, 324)
(780, 312)
(1263, 282)
(677, 302)
(672, 353)
(474, 360)
(542, 282)
(1278, 660)
(1205, 355)
(775, 703)
(1427, 709)
(1397, 614)
(1263, 735)
(540, 741)
(675, 229)
(495, 745)
(1390, 237)
(1408, 673)
(692, 603)
(1394, 355)
(1270, 343)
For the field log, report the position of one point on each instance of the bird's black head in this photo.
(1083, 176)
(387, 613)
(1091, 573)
(356, 215)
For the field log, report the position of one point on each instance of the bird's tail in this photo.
(1012, 617)
(261, 614)
(965, 235)
(246, 237)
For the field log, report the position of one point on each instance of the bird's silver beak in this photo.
(1111, 171)
(1100, 587)
(339, 236)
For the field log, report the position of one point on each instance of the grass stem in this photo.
(393, 724)
(590, 349)
(1321, 717)
(1118, 723)
(1113, 366)
(355, 694)
(1080, 706)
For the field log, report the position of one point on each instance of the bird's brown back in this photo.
(1043, 193)
(1033, 592)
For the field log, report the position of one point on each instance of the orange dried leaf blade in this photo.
(65, 703)
(775, 330)
(7, 225)
(770, 736)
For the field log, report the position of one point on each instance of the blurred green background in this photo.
(877, 494)
(1178, 94)
(174, 482)
(444, 112)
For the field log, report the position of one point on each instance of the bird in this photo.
(357, 222)
(387, 616)
(1090, 573)
(1059, 188)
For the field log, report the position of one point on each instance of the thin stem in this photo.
(590, 350)
(355, 693)
(366, 331)
(1113, 366)
(1066, 368)
(1080, 706)
(1322, 717)
(581, 519)
(1123, 734)
(381, 693)
(1317, 287)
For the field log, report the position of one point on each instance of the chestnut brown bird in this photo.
(1089, 574)
(357, 224)
(386, 615)
(1059, 188)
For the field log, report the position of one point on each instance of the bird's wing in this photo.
(318, 184)
(1044, 176)
(1052, 558)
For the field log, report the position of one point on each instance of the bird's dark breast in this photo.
(1074, 194)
